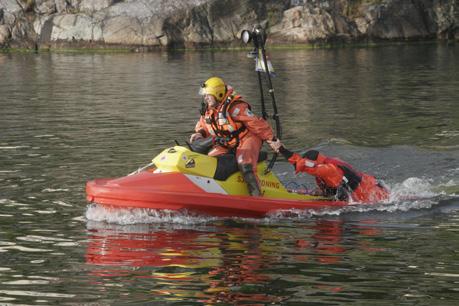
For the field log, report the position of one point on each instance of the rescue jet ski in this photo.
(179, 179)
(182, 178)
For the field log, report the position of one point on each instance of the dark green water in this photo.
(69, 118)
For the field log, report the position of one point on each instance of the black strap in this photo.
(352, 179)
(225, 106)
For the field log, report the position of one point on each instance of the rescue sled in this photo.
(179, 179)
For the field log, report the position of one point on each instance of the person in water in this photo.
(229, 121)
(335, 177)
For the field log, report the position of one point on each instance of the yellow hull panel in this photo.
(182, 160)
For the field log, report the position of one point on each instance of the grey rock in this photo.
(45, 7)
(227, 18)
(304, 24)
(74, 27)
(4, 34)
(22, 35)
(196, 23)
(402, 19)
(93, 6)
(150, 8)
(61, 6)
(123, 30)
(67, 6)
(367, 16)
(446, 18)
(10, 6)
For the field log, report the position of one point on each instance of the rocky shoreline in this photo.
(169, 24)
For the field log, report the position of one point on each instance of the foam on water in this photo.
(124, 216)
(412, 187)
(412, 194)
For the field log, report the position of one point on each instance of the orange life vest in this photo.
(222, 126)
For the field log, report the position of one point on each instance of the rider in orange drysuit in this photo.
(228, 119)
(335, 177)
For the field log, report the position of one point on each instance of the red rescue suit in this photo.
(234, 126)
(337, 178)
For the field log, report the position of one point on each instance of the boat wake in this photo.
(126, 216)
(412, 194)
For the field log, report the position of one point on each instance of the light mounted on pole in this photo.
(246, 36)
(258, 37)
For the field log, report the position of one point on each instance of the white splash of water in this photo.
(412, 188)
(125, 216)
(450, 183)
(413, 193)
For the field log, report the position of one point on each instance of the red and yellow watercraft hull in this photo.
(177, 192)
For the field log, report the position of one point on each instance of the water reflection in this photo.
(229, 263)
(137, 249)
(218, 261)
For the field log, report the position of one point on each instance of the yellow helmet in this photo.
(215, 87)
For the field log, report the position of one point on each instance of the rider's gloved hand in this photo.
(275, 144)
